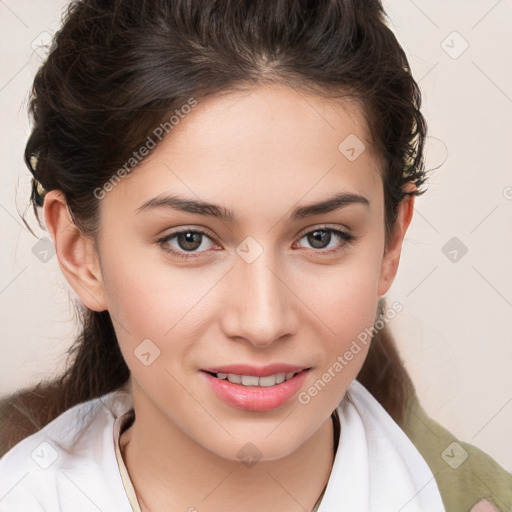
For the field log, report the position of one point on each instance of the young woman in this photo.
(228, 186)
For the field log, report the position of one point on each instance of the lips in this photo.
(254, 388)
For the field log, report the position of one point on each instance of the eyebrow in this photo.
(184, 204)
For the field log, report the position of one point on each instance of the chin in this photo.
(260, 447)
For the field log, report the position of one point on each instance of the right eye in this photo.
(185, 243)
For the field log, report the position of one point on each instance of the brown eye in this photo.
(189, 240)
(321, 239)
(186, 243)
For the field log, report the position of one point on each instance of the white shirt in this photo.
(70, 465)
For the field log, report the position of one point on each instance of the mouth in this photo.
(256, 389)
(253, 380)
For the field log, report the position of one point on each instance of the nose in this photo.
(260, 303)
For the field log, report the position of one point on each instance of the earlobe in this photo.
(391, 257)
(76, 252)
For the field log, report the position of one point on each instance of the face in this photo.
(262, 284)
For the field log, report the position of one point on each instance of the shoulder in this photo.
(67, 464)
(377, 467)
(466, 476)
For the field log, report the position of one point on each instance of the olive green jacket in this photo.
(465, 475)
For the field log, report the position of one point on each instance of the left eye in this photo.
(321, 238)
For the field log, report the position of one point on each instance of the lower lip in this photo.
(255, 398)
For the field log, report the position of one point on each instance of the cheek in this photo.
(345, 296)
(345, 300)
(143, 302)
(155, 301)
(342, 350)
(349, 313)
(145, 293)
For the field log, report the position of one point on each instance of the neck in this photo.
(167, 466)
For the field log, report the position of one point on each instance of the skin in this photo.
(260, 153)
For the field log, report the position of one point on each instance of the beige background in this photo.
(455, 328)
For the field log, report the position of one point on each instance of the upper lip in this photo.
(257, 371)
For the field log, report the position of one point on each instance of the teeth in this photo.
(266, 382)
(235, 379)
(252, 380)
(248, 380)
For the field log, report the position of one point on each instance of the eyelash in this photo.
(347, 238)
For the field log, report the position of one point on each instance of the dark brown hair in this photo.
(119, 69)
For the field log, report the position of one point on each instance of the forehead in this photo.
(271, 119)
(272, 143)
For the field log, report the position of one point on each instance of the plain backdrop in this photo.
(455, 276)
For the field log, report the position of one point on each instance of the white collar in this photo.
(376, 468)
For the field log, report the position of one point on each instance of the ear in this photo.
(392, 252)
(76, 252)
